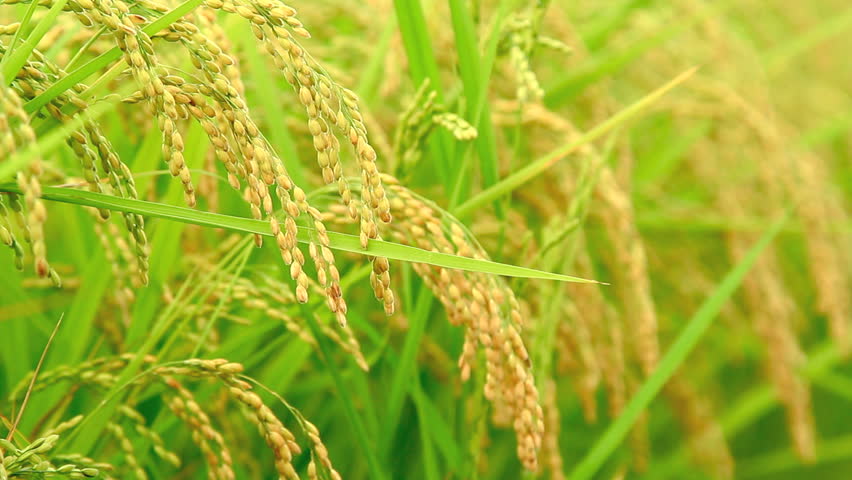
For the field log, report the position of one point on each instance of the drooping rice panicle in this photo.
(484, 306)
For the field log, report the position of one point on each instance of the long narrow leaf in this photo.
(475, 83)
(339, 241)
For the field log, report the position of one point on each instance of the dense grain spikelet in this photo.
(592, 342)
(127, 450)
(662, 206)
(64, 426)
(520, 36)
(578, 356)
(120, 257)
(773, 322)
(412, 129)
(278, 438)
(273, 297)
(139, 55)
(455, 125)
(831, 265)
(7, 234)
(518, 42)
(803, 178)
(602, 355)
(98, 372)
(327, 105)
(766, 296)
(153, 438)
(86, 465)
(608, 333)
(183, 405)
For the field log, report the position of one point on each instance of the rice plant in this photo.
(423, 239)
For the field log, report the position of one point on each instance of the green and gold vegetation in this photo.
(425, 240)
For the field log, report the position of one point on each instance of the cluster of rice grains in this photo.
(605, 338)
(36, 460)
(102, 374)
(212, 97)
(416, 123)
(483, 304)
(238, 143)
(280, 440)
(521, 36)
(328, 106)
(91, 147)
(30, 216)
(591, 345)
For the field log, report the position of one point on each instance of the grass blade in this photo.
(406, 368)
(750, 406)
(33, 380)
(371, 75)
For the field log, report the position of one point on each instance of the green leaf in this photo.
(749, 407)
(405, 369)
(339, 241)
(475, 78)
(373, 72)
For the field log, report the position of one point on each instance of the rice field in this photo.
(484, 239)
